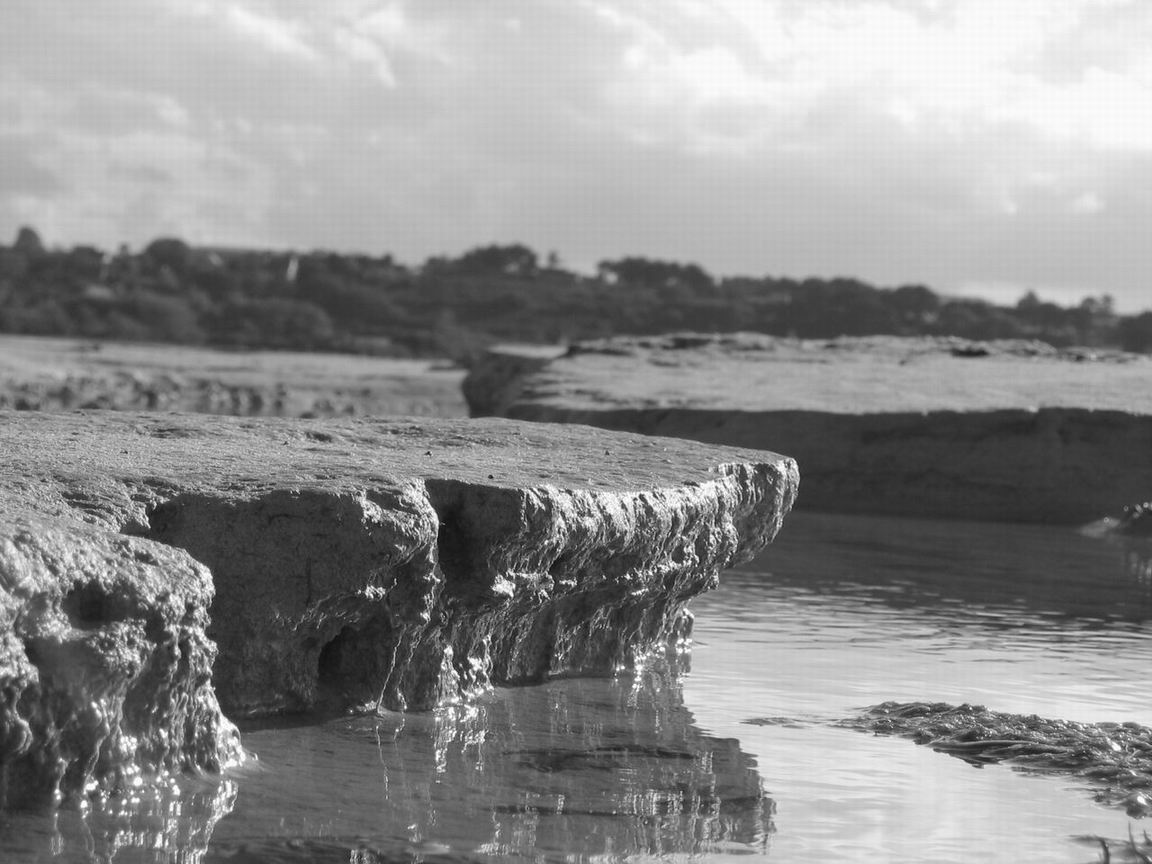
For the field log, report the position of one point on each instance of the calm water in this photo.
(843, 612)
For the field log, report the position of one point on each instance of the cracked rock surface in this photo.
(1015, 431)
(399, 563)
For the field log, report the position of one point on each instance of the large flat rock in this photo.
(55, 374)
(395, 563)
(939, 427)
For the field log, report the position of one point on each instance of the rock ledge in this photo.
(398, 563)
(945, 427)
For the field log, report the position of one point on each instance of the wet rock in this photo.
(104, 663)
(1010, 430)
(1115, 758)
(406, 563)
(1136, 520)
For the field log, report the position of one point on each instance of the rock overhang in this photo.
(400, 563)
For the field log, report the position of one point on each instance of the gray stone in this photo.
(394, 563)
(1013, 431)
(104, 665)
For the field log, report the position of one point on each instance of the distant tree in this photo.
(651, 273)
(85, 262)
(973, 318)
(165, 318)
(276, 322)
(28, 242)
(1136, 333)
(169, 252)
(1104, 305)
(914, 300)
(515, 260)
(1095, 320)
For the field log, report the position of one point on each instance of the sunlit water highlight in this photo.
(732, 759)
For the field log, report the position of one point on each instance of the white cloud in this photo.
(943, 141)
(357, 47)
(279, 35)
(976, 66)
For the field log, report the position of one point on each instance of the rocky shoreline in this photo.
(1009, 431)
(395, 563)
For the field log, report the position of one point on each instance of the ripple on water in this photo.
(842, 613)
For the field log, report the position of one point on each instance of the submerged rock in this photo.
(397, 563)
(1015, 431)
(1115, 758)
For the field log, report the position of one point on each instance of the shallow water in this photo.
(732, 758)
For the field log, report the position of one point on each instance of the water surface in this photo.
(729, 756)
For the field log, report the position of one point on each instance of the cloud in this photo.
(954, 142)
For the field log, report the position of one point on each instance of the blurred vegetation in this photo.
(172, 292)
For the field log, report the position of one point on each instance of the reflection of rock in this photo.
(1131, 532)
(578, 768)
(171, 821)
(104, 665)
(1007, 431)
(360, 561)
(1114, 757)
(1136, 520)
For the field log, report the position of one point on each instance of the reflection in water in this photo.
(969, 572)
(572, 770)
(169, 822)
(842, 612)
(845, 612)
(1138, 562)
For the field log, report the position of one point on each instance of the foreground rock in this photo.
(933, 427)
(394, 563)
(105, 670)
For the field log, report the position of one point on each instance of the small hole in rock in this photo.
(87, 606)
(331, 661)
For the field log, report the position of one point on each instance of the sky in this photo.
(980, 147)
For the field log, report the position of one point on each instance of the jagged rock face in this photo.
(395, 563)
(923, 427)
(104, 665)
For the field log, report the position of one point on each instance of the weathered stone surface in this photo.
(934, 427)
(52, 374)
(405, 562)
(104, 665)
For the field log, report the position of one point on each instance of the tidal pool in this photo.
(728, 755)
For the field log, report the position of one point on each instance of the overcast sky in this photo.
(977, 146)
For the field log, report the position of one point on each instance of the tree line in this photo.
(173, 292)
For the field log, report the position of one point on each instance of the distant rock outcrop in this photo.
(943, 427)
(396, 563)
